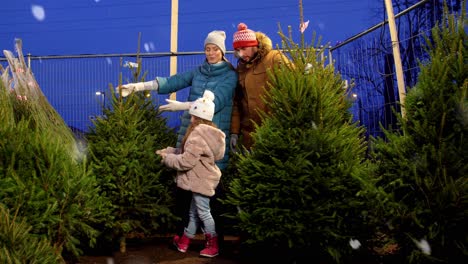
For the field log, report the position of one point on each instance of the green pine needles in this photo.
(298, 187)
(424, 168)
(18, 245)
(43, 177)
(122, 147)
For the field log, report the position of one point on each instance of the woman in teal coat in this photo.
(216, 74)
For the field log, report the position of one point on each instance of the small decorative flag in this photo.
(303, 26)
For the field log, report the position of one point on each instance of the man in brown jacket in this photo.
(256, 56)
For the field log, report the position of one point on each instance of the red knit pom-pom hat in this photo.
(244, 37)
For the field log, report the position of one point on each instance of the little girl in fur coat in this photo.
(197, 171)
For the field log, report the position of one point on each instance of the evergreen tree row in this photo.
(69, 199)
(312, 186)
(308, 189)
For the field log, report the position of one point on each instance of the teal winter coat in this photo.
(221, 79)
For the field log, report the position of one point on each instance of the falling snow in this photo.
(424, 246)
(38, 12)
(354, 243)
(149, 46)
(321, 26)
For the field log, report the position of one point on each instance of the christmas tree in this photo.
(122, 145)
(297, 189)
(18, 245)
(43, 177)
(423, 169)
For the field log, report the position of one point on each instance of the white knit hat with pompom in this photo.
(204, 107)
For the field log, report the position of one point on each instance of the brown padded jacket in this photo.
(253, 79)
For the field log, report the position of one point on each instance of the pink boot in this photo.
(182, 243)
(211, 247)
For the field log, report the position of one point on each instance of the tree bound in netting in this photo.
(18, 245)
(43, 177)
(298, 188)
(122, 145)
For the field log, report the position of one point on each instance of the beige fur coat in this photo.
(196, 167)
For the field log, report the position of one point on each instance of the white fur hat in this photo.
(218, 38)
(204, 107)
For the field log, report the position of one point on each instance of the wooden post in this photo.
(396, 55)
(174, 33)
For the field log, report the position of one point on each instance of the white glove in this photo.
(173, 105)
(136, 87)
(233, 141)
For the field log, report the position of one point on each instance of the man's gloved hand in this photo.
(136, 87)
(173, 105)
(233, 141)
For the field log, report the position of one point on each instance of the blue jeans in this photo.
(200, 212)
